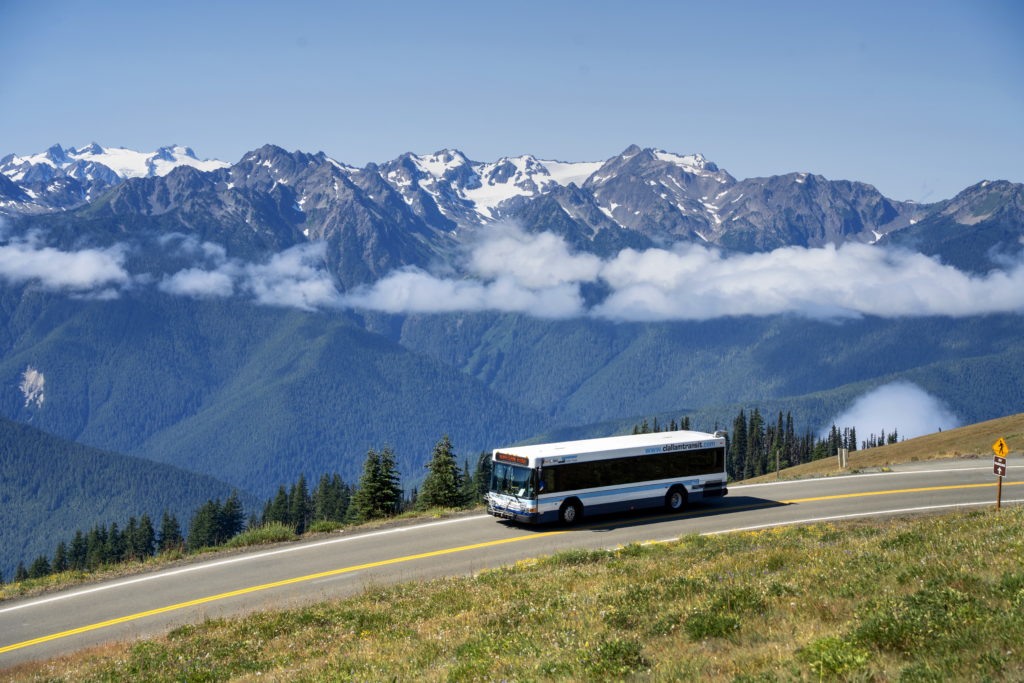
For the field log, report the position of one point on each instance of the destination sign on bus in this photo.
(508, 457)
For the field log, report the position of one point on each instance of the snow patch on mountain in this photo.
(33, 387)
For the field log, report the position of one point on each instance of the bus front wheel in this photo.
(675, 499)
(570, 512)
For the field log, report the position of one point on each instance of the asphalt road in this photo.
(343, 564)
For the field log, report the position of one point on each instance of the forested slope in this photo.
(49, 487)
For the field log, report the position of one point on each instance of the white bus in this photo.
(560, 482)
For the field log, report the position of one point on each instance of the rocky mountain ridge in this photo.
(414, 209)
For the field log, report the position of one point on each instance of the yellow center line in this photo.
(265, 586)
(893, 491)
(433, 553)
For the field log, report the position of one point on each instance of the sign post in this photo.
(999, 467)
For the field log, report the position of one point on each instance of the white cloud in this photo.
(900, 406)
(538, 274)
(415, 291)
(198, 283)
(293, 278)
(533, 261)
(76, 271)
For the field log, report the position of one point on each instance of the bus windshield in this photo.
(512, 480)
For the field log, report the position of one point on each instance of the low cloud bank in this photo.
(538, 274)
(509, 270)
(80, 272)
(293, 278)
(900, 406)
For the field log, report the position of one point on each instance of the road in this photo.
(344, 564)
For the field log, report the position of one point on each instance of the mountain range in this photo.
(415, 209)
(192, 312)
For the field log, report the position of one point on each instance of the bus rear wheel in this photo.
(570, 512)
(675, 499)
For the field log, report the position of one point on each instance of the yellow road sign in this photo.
(1000, 448)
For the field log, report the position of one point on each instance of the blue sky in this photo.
(919, 99)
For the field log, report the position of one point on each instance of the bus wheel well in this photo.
(571, 511)
(675, 499)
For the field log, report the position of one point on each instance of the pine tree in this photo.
(60, 558)
(738, 456)
(115, 548)
(170, 534)
(379, 493)
(853, 439)
(685, 424)
(20, 573)
(467, 484)
(482, 475)
(299, 505)
(77, 554)
(202, 532)
(756, 451)
(277, 509)
(145, 538)
(441, 487)
(131, 530)
(39, 568)
(231, 520)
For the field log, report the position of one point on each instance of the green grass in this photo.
(275, 532)
(916, 599)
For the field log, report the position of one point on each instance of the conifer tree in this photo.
(60, 558)
(441, 487)
(145, 537)
(202, 531)
(39, 568)
(482, 475)
(20, 573)
(77, 554)
(170, 534)
(277, 510)
(467, 484)
(738, 456)
(231, 520)
(378, 494)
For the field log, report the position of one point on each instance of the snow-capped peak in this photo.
(125, 163)
(696, 161)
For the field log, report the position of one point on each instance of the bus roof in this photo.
(606, 444)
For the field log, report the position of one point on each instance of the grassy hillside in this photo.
(971, 441)
(50, 487)
(909, 599)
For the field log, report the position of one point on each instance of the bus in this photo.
(561, 482)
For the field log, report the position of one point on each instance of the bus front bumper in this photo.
(514, 515)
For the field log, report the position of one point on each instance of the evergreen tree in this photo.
(60, 558)
(39, 568)
(115, 549)
(145, 538)
(482, 475)
(202, 532)
(467, 484)
(277, 509)
(378, 494)
(441, 487)
(755, 463)
(170, 534)
(684, 424)
(20, 573)
(77, 555)
(738, 456)
(96, 547)
(299, 505)
(131, 530)
(342, 496)
(232, 518)
(853, 439)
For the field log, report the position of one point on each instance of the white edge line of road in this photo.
(832, 517)
(240, 558)
(869, 474)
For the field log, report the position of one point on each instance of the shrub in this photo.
(831, 657)
(267, 533)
